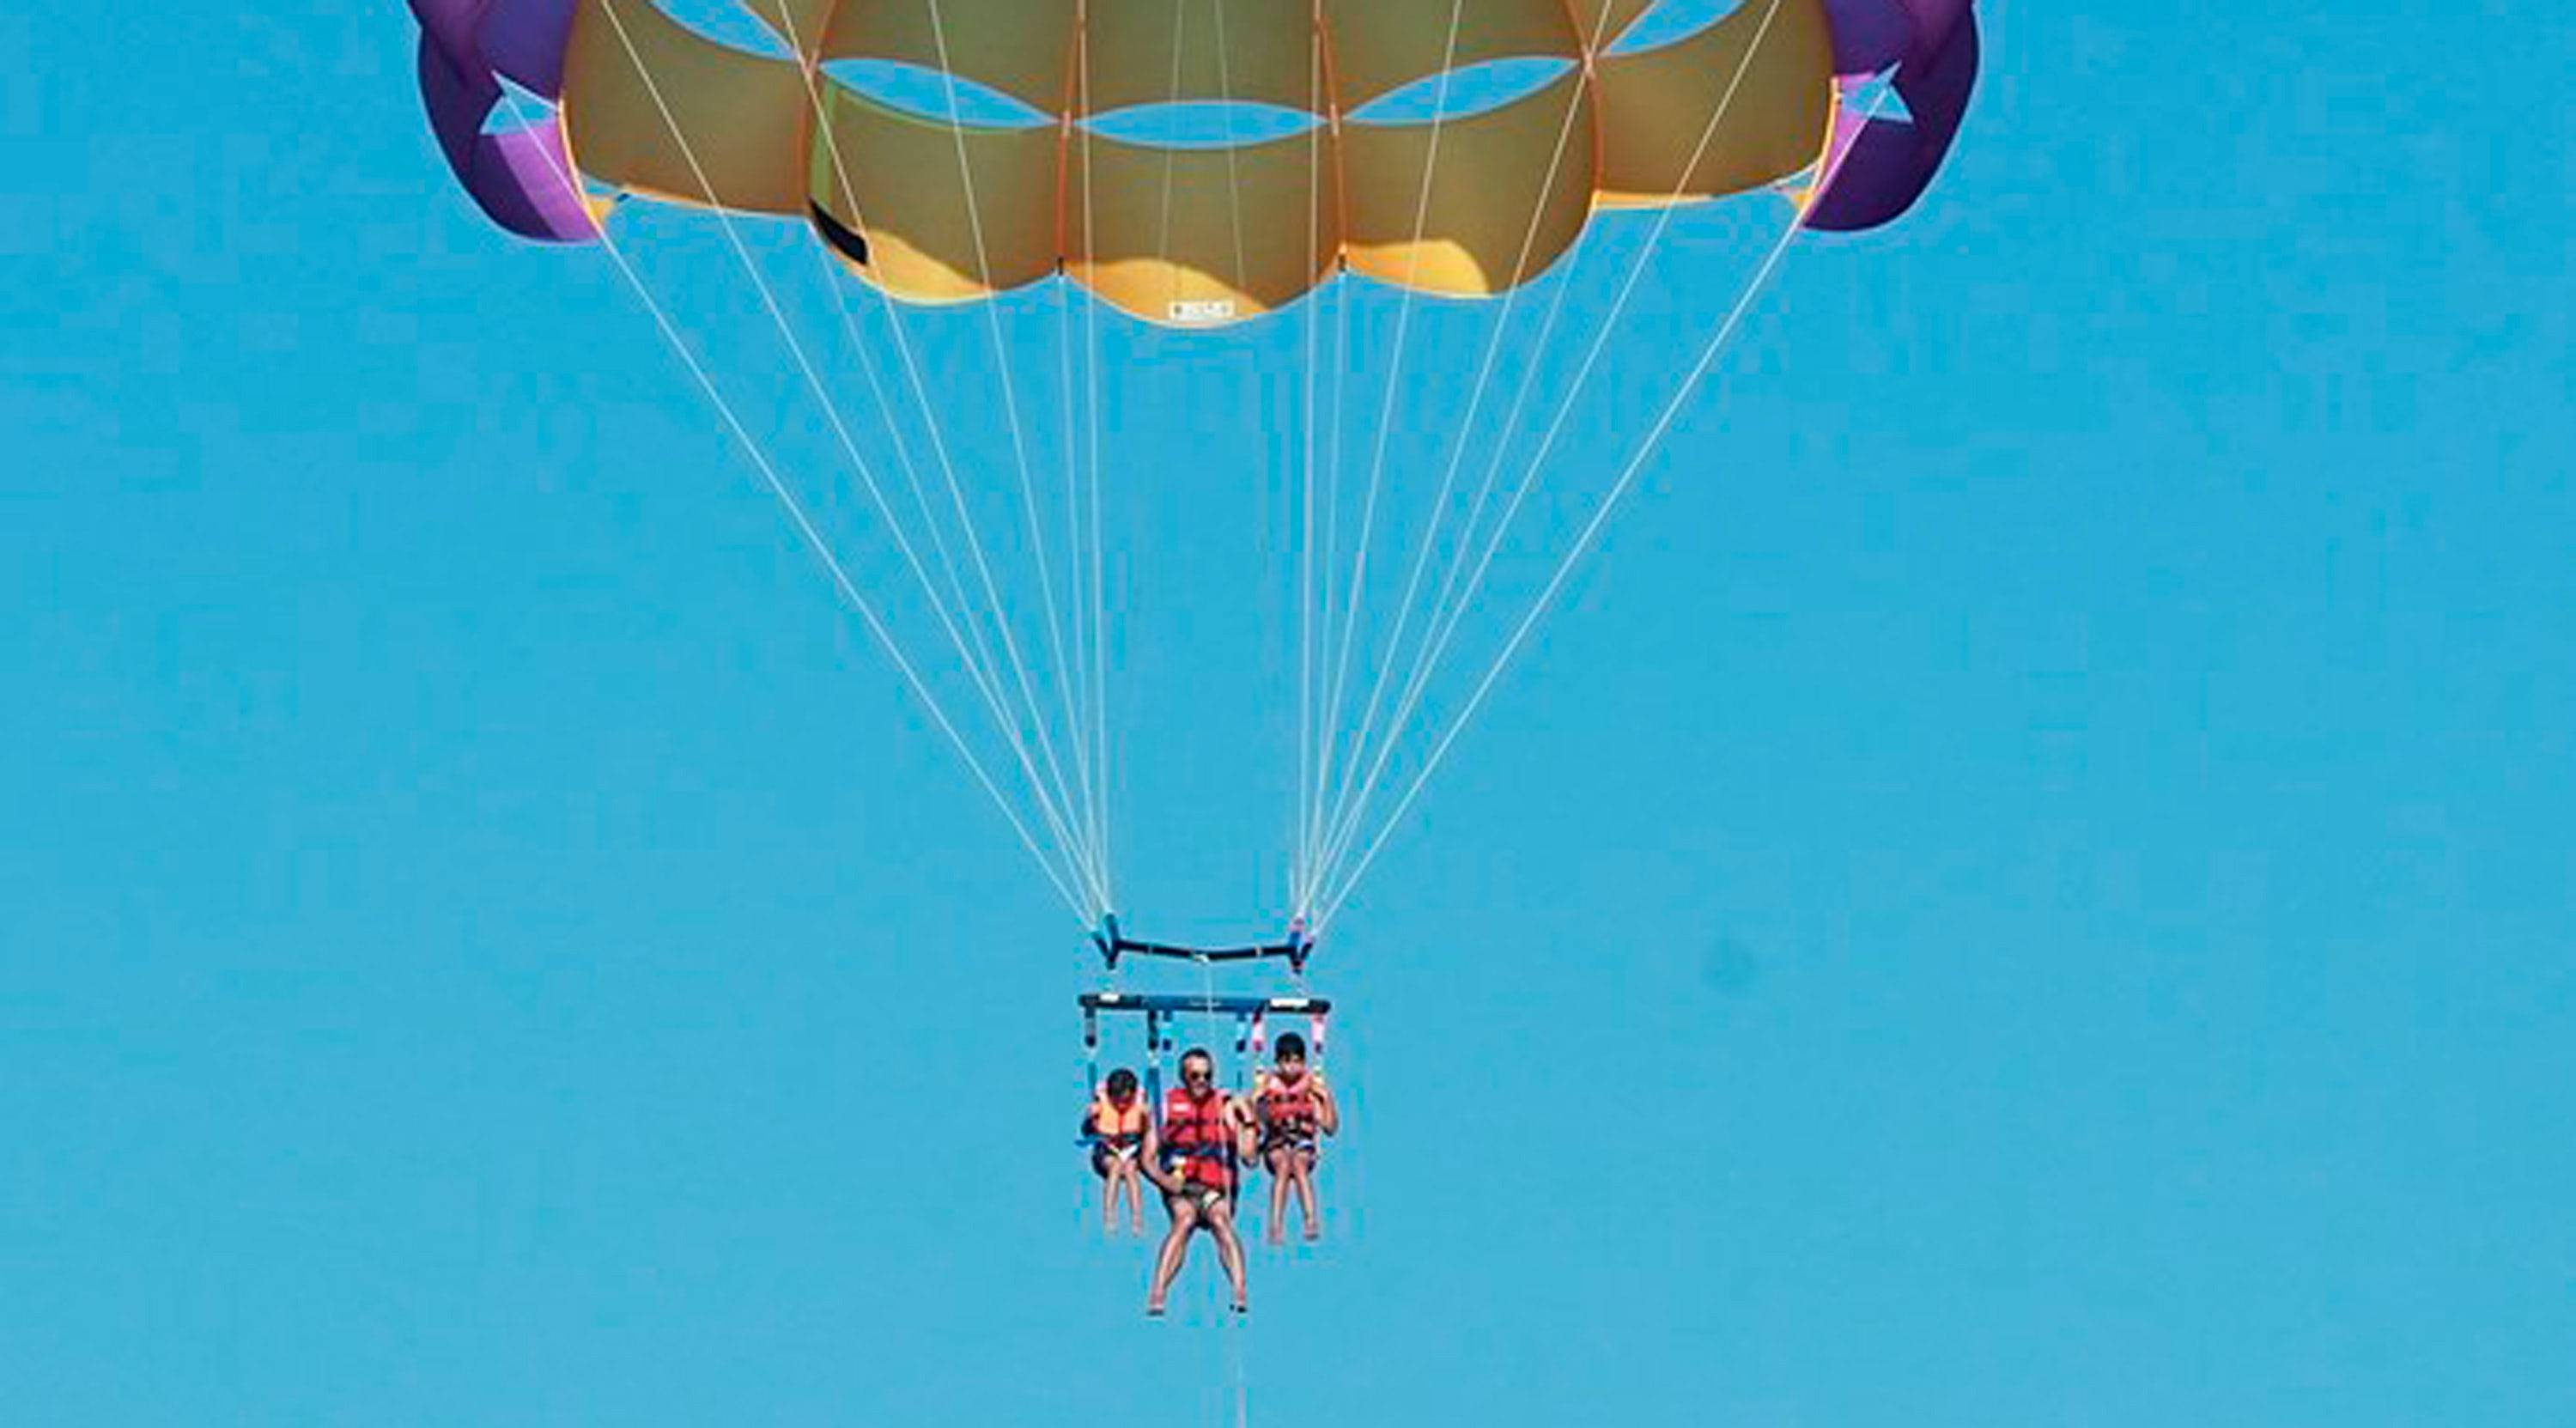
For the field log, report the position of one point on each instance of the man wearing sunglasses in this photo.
(1194, 1155)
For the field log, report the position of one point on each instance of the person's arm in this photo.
(1328, 1116)
(1247, 1144)
(1150, 1159)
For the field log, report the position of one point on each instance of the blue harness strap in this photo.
(1154, 1066)
(1090, 1052)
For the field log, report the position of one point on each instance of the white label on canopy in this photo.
(1203, 310)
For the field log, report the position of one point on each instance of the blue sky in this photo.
(2029, 886)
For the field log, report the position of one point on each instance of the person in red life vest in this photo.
(1115, 1127)
(1294, 1110)
(1195, 1156)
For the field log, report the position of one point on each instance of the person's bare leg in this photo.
(1129, 1172)
(1302, 1175)
(1176, 1248)
(1277, 1231)
(1229, 1249)
(1108, 1197)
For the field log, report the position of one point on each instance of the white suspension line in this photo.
(1234, 181)
(1077, 675)
(1099, 690)
(1010, 404)
(1233, 175)
(964, 516)
(974, 653)
(1446, 616)
(1171, 159)
(1306, 794)
(1584, 538)
(1394, 386)
(979, 661)
(1328, 563)
(982, 665)
(814, 542)
(1348, 818)
(975, 550)
(805, 362)
(1458, 444)
(1582, 544)
(726, 223)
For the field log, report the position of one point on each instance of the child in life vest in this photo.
(1294, 1109)
(1115, 1127)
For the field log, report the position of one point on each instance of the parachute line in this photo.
(978, 661)
(839, 574)
(1306, 890)
(980, 664)
(1564, 568)
(1097, 855)
(1328, 565)
(1055, 816)
(1099, 690)
(1583, 542)
(1019, 438)
(1386, 408)
(1233, 168)
(1077, 674)
(1357, 778)
(1060, 808)
(1348, 816)
(1171, 164)
(1298, 868)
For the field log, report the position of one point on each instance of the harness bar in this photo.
(1158, 1005)
(1114, 944)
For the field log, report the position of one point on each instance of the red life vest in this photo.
(1198, 1139)
(1288, 1113)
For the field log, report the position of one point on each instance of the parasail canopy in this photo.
(934, 209)
(1387, 151)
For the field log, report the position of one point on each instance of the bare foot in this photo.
(1314, 1232)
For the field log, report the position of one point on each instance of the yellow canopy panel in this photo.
(1196, 236)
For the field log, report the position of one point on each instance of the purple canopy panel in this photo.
(1872, 35)
(525, 40)
(521, 178)
(1877, 168)
(1869, 35)
(451, 24)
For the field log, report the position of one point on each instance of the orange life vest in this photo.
(1113, 1127)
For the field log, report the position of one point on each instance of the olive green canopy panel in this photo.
(940, 212)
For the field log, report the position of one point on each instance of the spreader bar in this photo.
(1114, 944)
